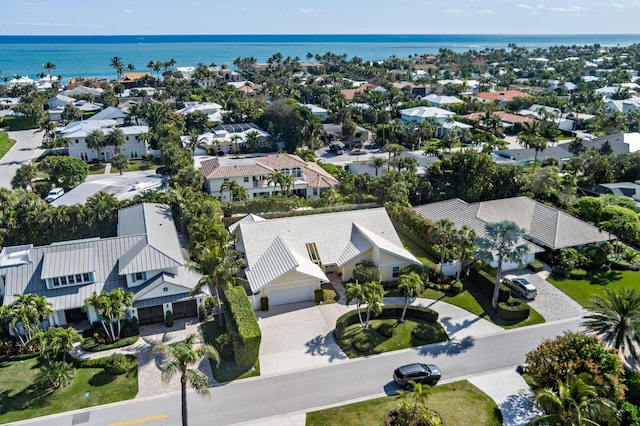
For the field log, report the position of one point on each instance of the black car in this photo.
(417, 372)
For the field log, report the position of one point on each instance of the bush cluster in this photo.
(514, 310)
(168, 319)
(243, 327)
(318, 296)
(486, 284)
(389, 311)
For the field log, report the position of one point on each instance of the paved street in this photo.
(26, 148)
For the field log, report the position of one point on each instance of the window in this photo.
(315, 191)
(312, 250)
(246, 178)
(262, 144)
(71, 279)
(139, 276)
(395, 272)
(79, 278)
(56, 282)
(63, 280)
(85, 277)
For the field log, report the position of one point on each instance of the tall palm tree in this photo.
(218, 264)
(182, 357)
(409, 286)
(116, 138)
(465, 239)
(353, 292)
(531, 137)
(377, 162)
(95, 140)
(277, 178)
(48, 66)
(373, 293)
(237, 192)
(501, 245)
(442, 232)
(194, 142)
(575, 403)
(116, 64)
(615, 318)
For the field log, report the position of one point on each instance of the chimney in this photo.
(501, 97)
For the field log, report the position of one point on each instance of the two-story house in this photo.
(145, 259)
(442, 118)
(76, 134)
(255, 174)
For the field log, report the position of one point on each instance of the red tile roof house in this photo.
(503, 97)
(508, 119)
(350, 93)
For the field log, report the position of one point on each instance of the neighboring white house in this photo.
(211, 109)
(145, 258)
(253, 174)
(59, 101)
(620, 143)
(317, 111)
(76, 133)
(111, 113)
(441, 116)
(441, 100)
(230, 138)
(288, 258)
(544, 226)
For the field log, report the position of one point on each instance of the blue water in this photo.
(91, 55)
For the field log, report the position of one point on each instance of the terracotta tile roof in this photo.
(509, 95)
(350, 93)
(133, 76)
(504, 116)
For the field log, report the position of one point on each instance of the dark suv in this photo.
(419, 373)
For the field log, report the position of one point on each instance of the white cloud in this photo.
(524, 6)
(454, 11)
(617, 5)
(305, 10)
(486, 12)
(572, 9)
(127, 10)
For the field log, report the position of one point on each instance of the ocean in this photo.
(89, 56)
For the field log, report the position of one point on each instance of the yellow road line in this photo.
(141, 420)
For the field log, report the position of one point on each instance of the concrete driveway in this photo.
(27, 147)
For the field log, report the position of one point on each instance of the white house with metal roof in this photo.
(76, 133)
(145, 258)
(253, 174)
(288, 258)
(442, 117)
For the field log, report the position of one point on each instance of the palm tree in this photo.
(24, 176)
(373, 293)
(120, 162)
(409, 286)
(116, 64)
(575, 403)
(465, 239)
(194, 142)
(417, 392)
(182, 356)
(354, 292)
(615, 318)
(442, 232)
(234, 140)
(116, 138)
(218, 264)
(237, 192)
(500, 245)
(48, 66)
(95, 140)
(277, 178)
(531, 137)
(377, 162)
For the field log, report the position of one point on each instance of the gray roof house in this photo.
(288, 258)
(145, 259)
(544, 226)
(623, 189)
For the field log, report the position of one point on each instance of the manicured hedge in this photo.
(389, 311)
(486, 283)
(536, 266)
(243, 327)
(318, 296)
(513, 310)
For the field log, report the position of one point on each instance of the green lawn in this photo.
(401, 339)
(582, 291)
(420, 253)
(96, 168)
(459, 404)
(5, 143)
(330, 295)
(22, 399)
(140, 165)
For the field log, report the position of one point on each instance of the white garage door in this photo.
(290, 295)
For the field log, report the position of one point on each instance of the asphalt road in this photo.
(26, 147)
(305, 390)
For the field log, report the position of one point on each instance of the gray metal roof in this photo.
(68, 262)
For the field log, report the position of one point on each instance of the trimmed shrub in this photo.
(117, 364)
(366, 272)
(362, 343)
(455, 287)
(513, 310)
(387, 329)
(224, 345)
(424, 332)
(486, 283)
(202, 313)
(264, 303)
(318, 296)
(243, 327)
(596, 256)
(577, 274)
(536, 266)
(168, 319)
(135, 326)
(388, 312)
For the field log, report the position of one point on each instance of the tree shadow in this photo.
(450, 348)
(452, 328)
(519, 408)
(605, 277)
(325, 346)
(34, 396)
(102, 378)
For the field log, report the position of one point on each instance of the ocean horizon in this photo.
(90, 55)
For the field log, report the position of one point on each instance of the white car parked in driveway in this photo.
(520, 286)
(54, 194)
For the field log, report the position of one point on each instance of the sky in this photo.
(146, 17)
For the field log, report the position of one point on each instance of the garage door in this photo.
(150, 315)
(185, 309)
(291, 295)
